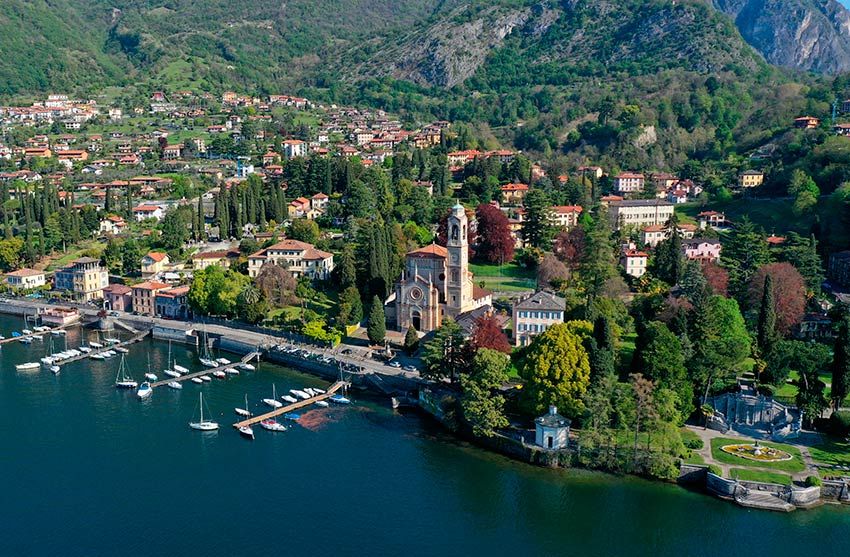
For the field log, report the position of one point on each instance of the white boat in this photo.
(38, 337)
(171, 373)
(202, 424)
(220, 374)
(55, 369)
(174, 385)
(318, 391)
(243, 411)
(112, 341)
(339, 399)
(272, 425)
(309, 391)
(122, 350)
(197, 380)
(206, 378)
(299, 394)
(95, 345)
(223, 361)
(289, 399)
(26, 366)
(97, 356)
(58, 332)
(151, 376)
(26, 331)
(208, 363)
(41, 329)
(110, 353)
(231, 371)
(25, 340)
(246, 431)
(273, 402)
(322, 403)
(85, 349)
(122, 378)
(180, 369)
(246, 367)
(145, 390)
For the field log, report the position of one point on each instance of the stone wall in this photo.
(805, 497)
(720, 486)
(692, 474)
(174, 334)
(835, 490)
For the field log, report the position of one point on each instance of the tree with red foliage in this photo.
(789, 292)
(495, 244)
(717, 278)
(569, 246)
(488, 334)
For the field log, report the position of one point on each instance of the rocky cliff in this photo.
(806, 34)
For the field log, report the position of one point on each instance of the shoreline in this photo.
(373, 377)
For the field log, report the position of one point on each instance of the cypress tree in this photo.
(841, 362)
(411, 341)
(766, 336)
(376, 329)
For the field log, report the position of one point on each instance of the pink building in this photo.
(702, 249)
(118, 297)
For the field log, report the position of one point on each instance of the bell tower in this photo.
(458, 285)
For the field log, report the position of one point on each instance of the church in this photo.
(436, 282)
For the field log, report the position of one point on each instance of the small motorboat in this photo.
(174, 385)
(231, 371)
(322, 403)
(206, 378)
(171, 373)
(180, 369)
(197, 380)
(339, 399)
(289, 399)
(223, 361)
(55, 369)
(272, 425)
(151, 376)
(299, 394)
(97, 356)
(145, 390)
(220, 374)
(292, 416)
(246, 367)
(246, 431)
(27, 366)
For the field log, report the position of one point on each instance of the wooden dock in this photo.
(245, 359)
(132, 340)
(37, 333)
(294, 406)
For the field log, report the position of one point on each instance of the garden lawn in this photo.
(759, 476)
(833, 452)
(796, 463)
(503, 278)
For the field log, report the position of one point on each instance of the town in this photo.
(610, 318)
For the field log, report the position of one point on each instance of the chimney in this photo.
(552, 410)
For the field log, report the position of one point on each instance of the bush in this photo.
(715, 470)
(694, 443)
(839, 423)
(813, 481)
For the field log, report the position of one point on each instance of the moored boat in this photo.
(197, 380)
(223, 361)
(246, 431)
(292, 416)
(151, 376)
(180, 369)
(26, 366)
(299, 394)
(273, 402)
(145, 390)
(220, 374)
(339, 399)
(122, 378)
(171, 373)
(202, 424)
(272, 425)
(322, 403)
(206, 378)
(289, 399)
(231, 371)
(244, 411)
(174, 385)
(246, 367)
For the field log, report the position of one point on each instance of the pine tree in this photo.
(538, 229)
(841, 362)
(376, 329)
(411, 341)
(766, 335)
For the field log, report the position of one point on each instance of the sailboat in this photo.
(149, 375)
(244, 411)
(205, 358)
(122, 378)
(203, 425)
(272, 425)
(273, 402)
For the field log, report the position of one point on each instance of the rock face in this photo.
(806, 34)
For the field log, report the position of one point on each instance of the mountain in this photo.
(806, 34)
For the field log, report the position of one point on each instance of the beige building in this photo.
(222, 258)
(637, 213)
(566, 216)
(153, 263)
(25, 279)
(534, 314)
(751, 179)
(634, 261)
(144, 297)
(299, 258)
(84, 277)
(629, 182)
(654, 234)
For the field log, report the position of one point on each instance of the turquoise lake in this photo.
(90, 470)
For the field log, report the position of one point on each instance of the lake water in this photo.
(90, 470)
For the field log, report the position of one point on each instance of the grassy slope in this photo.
(759, 476)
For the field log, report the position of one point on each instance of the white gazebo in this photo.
(553, 430)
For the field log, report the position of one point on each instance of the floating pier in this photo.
(245, 359)
(294, 406)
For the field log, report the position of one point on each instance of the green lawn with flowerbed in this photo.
(795, 464)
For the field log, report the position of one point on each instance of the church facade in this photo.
(436, 282)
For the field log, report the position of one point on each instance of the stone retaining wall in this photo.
(720, 486)
(692, 474)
